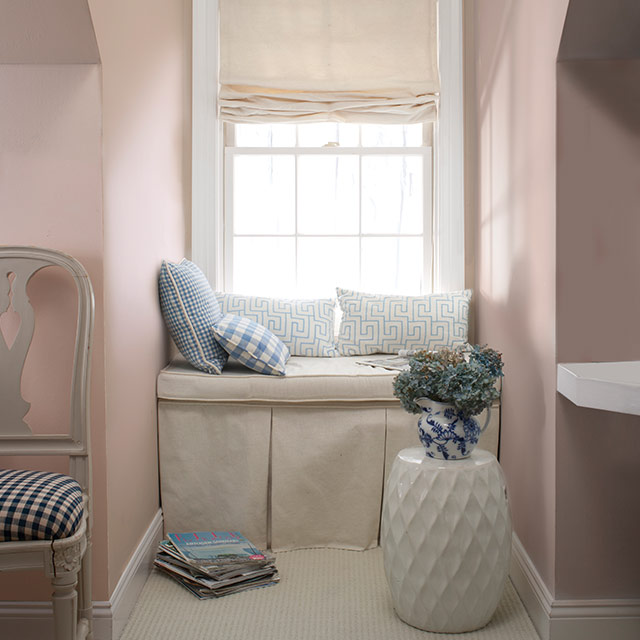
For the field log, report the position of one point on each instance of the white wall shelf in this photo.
(610, 386)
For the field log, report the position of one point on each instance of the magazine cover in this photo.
(215, 546)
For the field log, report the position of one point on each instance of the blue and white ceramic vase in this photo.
(445, 433)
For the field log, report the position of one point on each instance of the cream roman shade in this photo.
(341, 60)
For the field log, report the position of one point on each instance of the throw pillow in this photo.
(190, 309)
(305, 326)
(373, 323)
(252, 345)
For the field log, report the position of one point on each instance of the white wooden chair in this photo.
(45, 519)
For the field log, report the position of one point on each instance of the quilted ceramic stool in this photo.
(446, 539)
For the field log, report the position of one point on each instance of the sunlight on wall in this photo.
(496, 222)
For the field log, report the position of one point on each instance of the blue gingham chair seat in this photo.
(36, 505)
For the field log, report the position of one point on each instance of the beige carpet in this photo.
(323, 594)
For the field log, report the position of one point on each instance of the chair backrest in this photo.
(16, 437)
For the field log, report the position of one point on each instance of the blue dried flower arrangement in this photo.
(464, 377)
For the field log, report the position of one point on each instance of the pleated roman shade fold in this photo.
(371, 61)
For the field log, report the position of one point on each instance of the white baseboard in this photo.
(124, 597)
(531, 588)
(34, 620)
(570, 619)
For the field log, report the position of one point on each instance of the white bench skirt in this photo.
(291, 462)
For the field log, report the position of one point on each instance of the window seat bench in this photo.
(292, 462)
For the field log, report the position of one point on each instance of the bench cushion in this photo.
(36, 505)
(307, 380)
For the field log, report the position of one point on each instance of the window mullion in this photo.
(427, 230)
(295, 218)
(229, 238)
(360, 216)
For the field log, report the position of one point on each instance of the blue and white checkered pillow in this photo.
(252, 344)
(305, 326)
(374, 323)
(36, 505)
(190, 309)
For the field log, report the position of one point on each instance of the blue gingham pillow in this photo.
(190, 309)
(374, 323)
(36, 505)
(305, 326)
(252, 344)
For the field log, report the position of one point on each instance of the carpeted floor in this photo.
(323, 594)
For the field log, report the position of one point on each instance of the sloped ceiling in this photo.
(601, 30)
(47, 32)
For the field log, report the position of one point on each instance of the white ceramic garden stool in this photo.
(446, 539)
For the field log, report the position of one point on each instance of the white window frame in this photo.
(207, 232)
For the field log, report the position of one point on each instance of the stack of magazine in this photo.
(211, 564)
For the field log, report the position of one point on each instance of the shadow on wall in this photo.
(523, 365)
(616, 94)
(597, 30)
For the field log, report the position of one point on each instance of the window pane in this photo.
(319, 134)
(264, 266)
(392, 265)
(328, 194)
(391, 135)
(305, 222)
(264, 194)
(392, 194)
(265, 135)
(325, 263)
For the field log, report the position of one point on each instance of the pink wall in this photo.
(516, 42)
(51, 195)
(555, 282)
(145, 51)
(598, 311)
(36, 32)
(51, 175)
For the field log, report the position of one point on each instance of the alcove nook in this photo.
(51, 196)
(598, 305)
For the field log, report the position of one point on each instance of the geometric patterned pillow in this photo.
(36, 505)
(252, 344)
(306, 326)
(374, 323)
(190, 309)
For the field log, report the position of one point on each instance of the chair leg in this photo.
(85, 603)
(65, 605)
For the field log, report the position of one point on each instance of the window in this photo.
(310, 207)
(442, 232)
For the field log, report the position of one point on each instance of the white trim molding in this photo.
(531, 588)
(206, 145)
(34, 620)
(125, 595)
(570, 619)
(448, 267)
